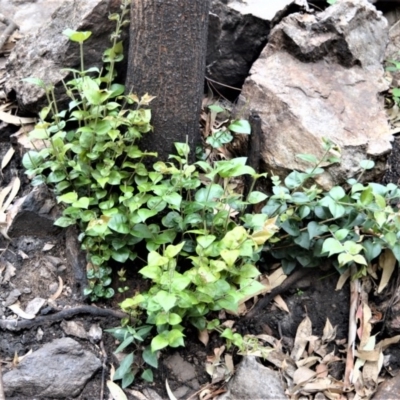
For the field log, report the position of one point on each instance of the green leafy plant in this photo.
(223, 135)
(353, 225)
(91, 158)
(135, 361)
(212, 266)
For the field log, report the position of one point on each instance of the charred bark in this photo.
(168, 40)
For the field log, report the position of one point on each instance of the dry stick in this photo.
(14, 325)
(11, 27)
(103, 369)
(2, 394)
(351, 340)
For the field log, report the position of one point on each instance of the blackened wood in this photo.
(168, 40)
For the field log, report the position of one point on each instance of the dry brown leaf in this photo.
(365, 327)
(371, 370)
(15, 185)
(14, 119)
(60, 288)
(204, 336)
(229, 363)
(116, 392)
(7, 157)
(20, 358)
(15, 308)
(384, 344)
(368, 355)
(308, 362)
(137, 395)
(3, 194)
(322, 370)
(304, 331)
(342, 279)
(329, 332)
(169, 391)
(281, 303)
(303, 375)
(48, 247)
(387, 262)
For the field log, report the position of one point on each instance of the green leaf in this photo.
(205, 241)
(153, 258)
(147, 375)
(172, 251)
(121, 255)
(56, 176)
(366, 197)
(64, 222)
(152, 272)
(371, 249)
(175, 338)
(219, 138)
(310, 158)
(229, 256)
(380, 218)
(68, 198)
(216, 108)
(165, 300)
(124, 367)
(119, 223)
(345, 258)
(332, 246)
(159, 342)
(127, 380)
(337, 193)
(256, 197)
(210, 193)
(337, 210)
(367, 164)
(341, 234)
(295, 179)
(76, 36)
(352, 247)
(150, 357)
(240, 126)
(83, 202)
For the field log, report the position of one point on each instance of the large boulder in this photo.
(59, 369)
(235, 40)
(45, 52)
(321, 76)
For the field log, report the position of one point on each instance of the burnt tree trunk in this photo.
(168, 40)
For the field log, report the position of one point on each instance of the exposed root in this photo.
(18, 325)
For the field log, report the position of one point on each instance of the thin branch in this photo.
(14, 325)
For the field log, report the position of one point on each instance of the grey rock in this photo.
(59, 369)
(43, 53)
(35, 305)
(33, 215)
(95, 333)
(254, 381)
(320, 76)
(74, 328)
(389, 389)
(234, 42)
(12, 297)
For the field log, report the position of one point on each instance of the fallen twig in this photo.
(18, 325)
(2, 394)
(11, 27)
(354, 302)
